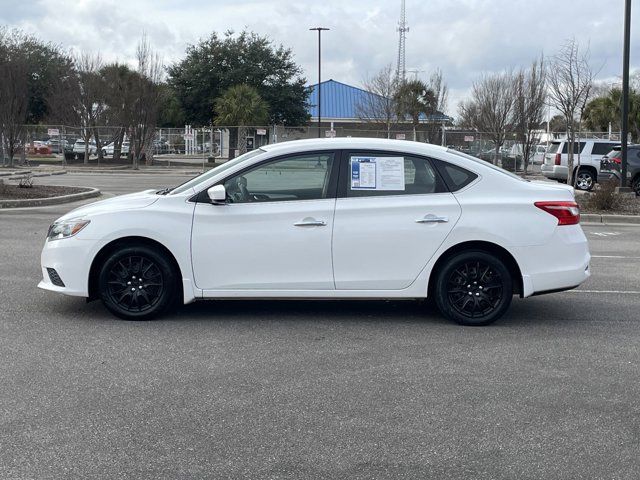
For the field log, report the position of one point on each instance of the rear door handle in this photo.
(310, 222)
(432, 219)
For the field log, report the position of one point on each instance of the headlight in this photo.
(66, 228)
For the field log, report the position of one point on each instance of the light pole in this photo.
(625, 90)
(320, 30)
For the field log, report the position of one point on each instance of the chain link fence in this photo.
(109, 145)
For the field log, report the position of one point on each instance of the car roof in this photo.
(353, 143)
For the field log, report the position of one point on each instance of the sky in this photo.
(463, 38)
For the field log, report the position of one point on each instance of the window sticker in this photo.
(377, 173)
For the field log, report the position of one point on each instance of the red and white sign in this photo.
(53, 132)
(261, 131)
(188, 136)
(468, 138)
(400, 136)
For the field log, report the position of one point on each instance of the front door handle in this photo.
(432, 219)
(310, 222)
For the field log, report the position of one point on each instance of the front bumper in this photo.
(71, 258)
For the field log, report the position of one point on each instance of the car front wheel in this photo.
(137, 283)
(473, 288)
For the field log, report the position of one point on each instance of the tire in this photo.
(137, 283)
(467, 277)
(635, 185)
(104, 153)
(585, 180)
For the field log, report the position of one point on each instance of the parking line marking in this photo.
(631, 292)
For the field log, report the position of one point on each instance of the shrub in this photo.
(26, 181)
(605, 197)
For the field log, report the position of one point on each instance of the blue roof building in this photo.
(340, 103)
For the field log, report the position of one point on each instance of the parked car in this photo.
(54, 143)
(107, 150)
(326, 218)
(79, 148)
(611, 166)
(590, 151)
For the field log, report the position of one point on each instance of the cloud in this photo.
(462, 37)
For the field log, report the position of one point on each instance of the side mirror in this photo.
(217, 194)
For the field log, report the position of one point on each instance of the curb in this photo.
(596, 218)
(136, 172)
(39, 202)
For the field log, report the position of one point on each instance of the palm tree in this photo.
(414, 99)
(241, 106)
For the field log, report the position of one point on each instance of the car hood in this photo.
(131, 201)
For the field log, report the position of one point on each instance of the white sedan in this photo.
(331, 218)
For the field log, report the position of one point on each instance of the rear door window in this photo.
(565, 147)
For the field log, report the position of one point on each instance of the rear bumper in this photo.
(561, 264)
(555, 172)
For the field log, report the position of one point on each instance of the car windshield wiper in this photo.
(164, 191)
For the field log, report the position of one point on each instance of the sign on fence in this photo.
(329, 133)
(53, 132)
(261, 131)
(400, 136)
(188, 136)
(468, 138)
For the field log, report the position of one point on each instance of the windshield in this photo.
(486, 164)
(215, 171)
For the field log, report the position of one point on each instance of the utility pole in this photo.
(625, 90)
(320, 30)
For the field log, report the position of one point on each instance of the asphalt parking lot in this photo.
(293, 389)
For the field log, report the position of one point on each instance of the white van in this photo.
(591, 152)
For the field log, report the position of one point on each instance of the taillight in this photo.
(558, 159)
(567, 213)
(617, 160)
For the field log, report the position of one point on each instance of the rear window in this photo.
(602, 148)
(553, 148)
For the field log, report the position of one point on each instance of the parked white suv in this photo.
(78, 147)
(591, 152)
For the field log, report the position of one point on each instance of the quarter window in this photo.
(304, 177)
(602, 148)
(455, 177)
(373, 174)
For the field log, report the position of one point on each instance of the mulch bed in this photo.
(13, 192)
(628, 205)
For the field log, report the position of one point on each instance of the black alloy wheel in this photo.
(473, 288)
(137, 283)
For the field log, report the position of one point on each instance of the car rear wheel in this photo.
(585, 180)
(137, 283)
(473, 288)
(635, 185)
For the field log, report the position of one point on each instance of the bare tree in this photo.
(570, 80)
(145, 108)
(89, 102)
(14, 97)
(440, 90)
(490, 108)
(379, 107)
(530, 101)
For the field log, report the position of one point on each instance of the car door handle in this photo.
(310, 222)
(432, 219)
